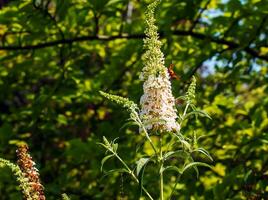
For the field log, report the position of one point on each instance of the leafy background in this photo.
(56, 55)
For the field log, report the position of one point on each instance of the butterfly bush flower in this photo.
(27, 166)
(23, 181)
(157, 103)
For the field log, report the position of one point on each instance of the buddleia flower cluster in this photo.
(22, 180)
(126, 103)
(27, 166)
(27, 175)
(157, 114)
(190, 94)
(157, 102)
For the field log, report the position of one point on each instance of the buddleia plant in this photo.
(27, 175)
(158, 121)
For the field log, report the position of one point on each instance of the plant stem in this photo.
(179, 176)
(161, 171)
(186, 108)
(146, 133)
(174, 187)
(133, 175)
(184, 112)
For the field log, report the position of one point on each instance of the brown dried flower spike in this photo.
(27, 166)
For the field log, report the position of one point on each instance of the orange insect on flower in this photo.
(171, 72)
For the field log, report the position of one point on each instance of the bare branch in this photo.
(231, 44)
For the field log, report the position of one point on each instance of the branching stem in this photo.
(132, 174)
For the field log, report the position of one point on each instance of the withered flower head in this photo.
(27, 166)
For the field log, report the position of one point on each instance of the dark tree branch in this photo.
(193, 71)
(231, 44)
(124, 13)
(96, 21)
(199, 15)
(233, 23)
(258, 30)
(50, 17)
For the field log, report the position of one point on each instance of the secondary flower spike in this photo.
(157, 102)
(29, 171)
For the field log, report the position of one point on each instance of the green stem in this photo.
(174, 187)
(186, 108)
(161, 171)
(179, 176)
(146, 134)
(184, 112)
(133, 175)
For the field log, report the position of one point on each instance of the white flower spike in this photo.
(157, 103)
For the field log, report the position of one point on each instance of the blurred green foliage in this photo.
(56, 55)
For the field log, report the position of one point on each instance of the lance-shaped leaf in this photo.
(179, 153)
(127, 124)
(198, 113)
(141, 163)
(105, 159)
(204, 152)
(106, 142)
(140, 174)
(120, 170)
(171, 168)
(114, 145)
(194, 165)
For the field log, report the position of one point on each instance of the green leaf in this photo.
(105, 159)
(141, 177)
(106, 142)
(103, 145)
(65, 197)
(62, 119)
(171, 168)
(247, 175)
(205, 152)
(120, 170)
(127, 124)
(180, 153)
(186, 144)
(140, 164)
(198, 112)
(195, 164)
(115, 147)
(264, 141)
(62, 8)
(182, 141)
(111, 2)
(181, 98)
(193, 106)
